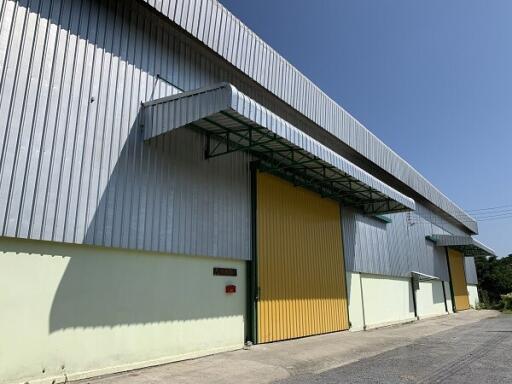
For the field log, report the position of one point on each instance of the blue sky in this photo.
(432, 79)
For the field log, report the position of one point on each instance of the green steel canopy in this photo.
(465, 244)
(233, 122)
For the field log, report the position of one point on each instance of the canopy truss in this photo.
(233, 122)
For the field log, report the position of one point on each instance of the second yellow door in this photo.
(458, 277)
(301, 277)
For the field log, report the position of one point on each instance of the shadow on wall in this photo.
(109, 287)
(437, 292)
(114, 189)
(149, 203)
(114, 287)
(98, 21)
(162, 195)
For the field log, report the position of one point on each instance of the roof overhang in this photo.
(465, 244)
(234, 122)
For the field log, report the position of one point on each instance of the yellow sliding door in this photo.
(458, 277)
(301, 276)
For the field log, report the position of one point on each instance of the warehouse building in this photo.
(171, 187)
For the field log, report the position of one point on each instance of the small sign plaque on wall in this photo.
(218, 271)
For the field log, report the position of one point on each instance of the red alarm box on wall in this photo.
(230, 288)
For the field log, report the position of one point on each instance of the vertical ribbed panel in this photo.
(458, 279)
(73, 163)
(217, 28)
(395, 248)
(301, 277)
(470, 269)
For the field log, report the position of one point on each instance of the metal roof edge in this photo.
(483, 246)
(455, 240)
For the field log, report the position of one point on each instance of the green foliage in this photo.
(494, 279)
(483, 305)
(507, 302)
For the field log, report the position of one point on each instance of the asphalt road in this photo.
(480, 353)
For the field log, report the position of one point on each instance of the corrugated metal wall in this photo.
(217, 28)
(73, 164)
(395, 248)
(470, 268)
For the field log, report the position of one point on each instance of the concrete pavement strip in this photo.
(266, 363)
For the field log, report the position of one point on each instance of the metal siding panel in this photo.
(29, 103)
(221, 42)
(392, 249)
(400, 248)
(230, 39)
(440, 264)
(61, 152)
(74, 167)
(10, 100)
(46, 36)
(470, 270)
(348, 225)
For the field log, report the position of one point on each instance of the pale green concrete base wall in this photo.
(379, 300)
(76, 311)
(430, 299)
(449, 303)
(474, 300)
(387, 300)
(355, 307)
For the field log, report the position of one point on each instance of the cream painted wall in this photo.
(474, 300)
(386, 300)
(355, 306)
(77, 311)
(430, 299)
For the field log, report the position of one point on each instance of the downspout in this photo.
(450, 274)
(344, 266)
(415, 305)
(252, 281)
(362, 300)
(444, 295)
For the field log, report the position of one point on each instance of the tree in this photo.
(494, 277)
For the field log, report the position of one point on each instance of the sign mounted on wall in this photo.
(230, 288)
(218, 271)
